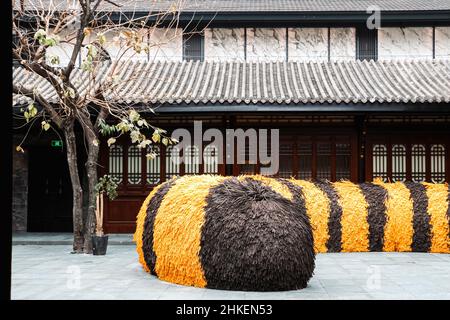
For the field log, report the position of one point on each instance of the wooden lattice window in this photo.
(324, 161)
(305, 161)
(154, 166)
(398, 162)
(116, 163)
(191, 162)
(379, 158)
(211, 159)
(172, 162)
(437, 163)
(418, 163)
(249, 167)
(286, 161)
(343, 161)
(134, 165)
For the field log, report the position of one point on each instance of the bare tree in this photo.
(68, 43)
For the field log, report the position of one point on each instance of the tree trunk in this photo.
(91, 170)
(76, 187)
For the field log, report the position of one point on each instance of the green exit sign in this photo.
(57, 143)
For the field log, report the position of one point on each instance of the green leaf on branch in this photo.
(108, 185)
(106, 129)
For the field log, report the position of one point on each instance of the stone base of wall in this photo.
(20, 187)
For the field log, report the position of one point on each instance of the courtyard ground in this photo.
(50, 271)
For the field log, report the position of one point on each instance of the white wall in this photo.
(442, 35)
(118, 50)
(342, 44)
(64, 49)
(269, 44)
(308, 44)
(225, 44)
(266, 44)
(166, 44)
(400, 43)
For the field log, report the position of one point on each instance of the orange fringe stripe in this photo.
(140, 221)
(318, 210)
(355, 228)
(437, 209)
(177, 230)
(398, 232)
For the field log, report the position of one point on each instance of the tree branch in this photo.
(56, 118)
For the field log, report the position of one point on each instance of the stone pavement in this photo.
(43, 238)
(52, 272)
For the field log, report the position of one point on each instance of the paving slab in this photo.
(47, 272)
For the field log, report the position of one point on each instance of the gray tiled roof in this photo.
(271, 5)
(406, 81)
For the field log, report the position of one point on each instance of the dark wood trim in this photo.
(307, 108)
(408, 161)
(293, 18)
(434, 42)
(329, 43)
(333, 159)
(428, 162)
(245, 44)
(287, 44)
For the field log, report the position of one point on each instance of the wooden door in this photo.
(50, 191)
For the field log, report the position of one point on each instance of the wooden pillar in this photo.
(229, 124)
(361, 133)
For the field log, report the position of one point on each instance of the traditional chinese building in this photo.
(351, 102)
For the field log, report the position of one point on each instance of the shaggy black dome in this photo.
(254, 239)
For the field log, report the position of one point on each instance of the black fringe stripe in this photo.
(334, 243)
(152, 210)
(297, 194)
(253, 239)
(375, 196)
(421, 241)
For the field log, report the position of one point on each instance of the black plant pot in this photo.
(99, 245)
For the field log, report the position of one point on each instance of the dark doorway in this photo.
(50, 191)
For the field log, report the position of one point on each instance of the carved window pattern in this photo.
(437, 163)
(191, 164)
(172, 162)
(286, 161)
(418, 163)
(324, 161)
(134, 165)
(305, 161)
(154, 166)
(379, 159)
(248, 167)
(398, 162)
(343, 161)
(116, 163)
(211, 159)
